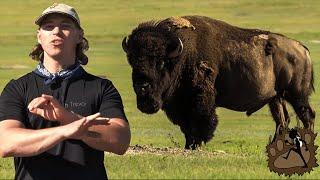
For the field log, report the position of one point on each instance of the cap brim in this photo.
(43, 16)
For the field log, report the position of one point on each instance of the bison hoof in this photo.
(193, 146)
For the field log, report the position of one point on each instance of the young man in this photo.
(58, 120)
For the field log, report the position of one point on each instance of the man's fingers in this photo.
(37, 103)
(97, 122)
(52, 100)
(97, 117)
(35, 100)
(103, 119)
(41, 112)
(40, 102)
(93, 116)
(37, 111)
(44, 99)
(47, 96)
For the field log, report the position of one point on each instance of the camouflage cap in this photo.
(59, 8)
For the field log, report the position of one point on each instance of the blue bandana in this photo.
(50, 78)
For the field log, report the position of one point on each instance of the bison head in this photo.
(153, 55)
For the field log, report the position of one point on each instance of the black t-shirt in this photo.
(70, 159)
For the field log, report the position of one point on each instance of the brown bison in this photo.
(188, 66)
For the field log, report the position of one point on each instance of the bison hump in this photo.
(174, 22)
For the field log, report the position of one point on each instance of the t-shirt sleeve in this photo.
(111, 104)
(12, 105)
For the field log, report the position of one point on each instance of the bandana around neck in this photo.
(50, 78)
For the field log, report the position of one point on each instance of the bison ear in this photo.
(177, 50)
(125, 44)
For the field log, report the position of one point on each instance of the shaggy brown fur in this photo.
(216, 65)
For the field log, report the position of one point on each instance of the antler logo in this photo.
(292, 151)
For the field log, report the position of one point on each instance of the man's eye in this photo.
(66, 26)
(48, 27)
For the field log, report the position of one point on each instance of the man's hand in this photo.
(49, 108)
(80, 128)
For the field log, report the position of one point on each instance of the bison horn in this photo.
(125, 44)
(177, 51)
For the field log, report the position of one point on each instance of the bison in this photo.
(188, 66)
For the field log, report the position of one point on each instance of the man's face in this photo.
(58, 34)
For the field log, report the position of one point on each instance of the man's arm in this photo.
(114, 137)
(17, 141)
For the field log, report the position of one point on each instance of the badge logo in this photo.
(292, 151)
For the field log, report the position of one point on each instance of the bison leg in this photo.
(183, 117)
(305, 113)
(300, 104)
(203, 121)
(198, 133)
(198, 126)
(189, 141)
(279, 112)
(285, 111)
(192, 142)
(188, 136)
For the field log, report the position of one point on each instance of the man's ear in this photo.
(38, 36)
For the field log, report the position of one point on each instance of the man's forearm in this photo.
(114, 137)
(20, 142)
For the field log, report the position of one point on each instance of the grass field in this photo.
(238, 148)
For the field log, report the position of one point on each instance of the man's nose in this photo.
(56, 30)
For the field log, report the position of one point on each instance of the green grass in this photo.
(243, 139)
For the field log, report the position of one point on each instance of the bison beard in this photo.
(188, 66)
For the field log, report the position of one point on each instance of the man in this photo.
(58, 120)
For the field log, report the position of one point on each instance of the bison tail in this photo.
(312, 80)
(311, 87)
